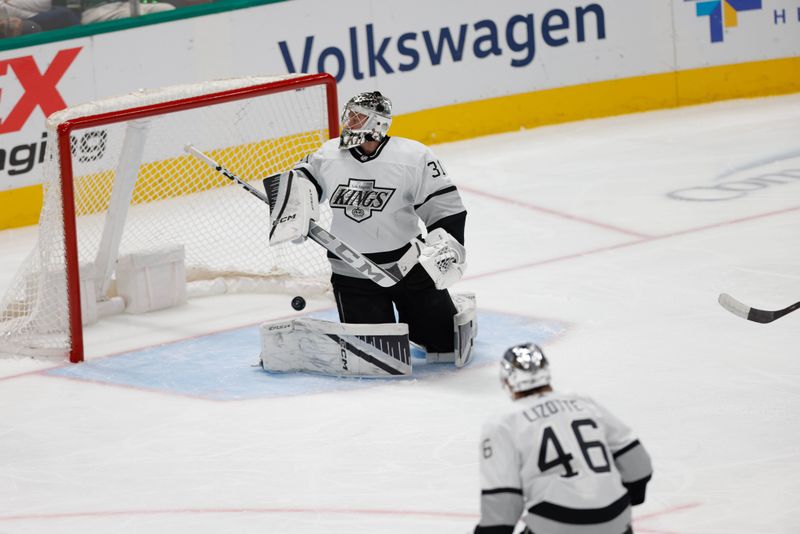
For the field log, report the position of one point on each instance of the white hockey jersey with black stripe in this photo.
(378, 200)
(559, 461)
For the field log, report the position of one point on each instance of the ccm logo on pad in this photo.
(284, 219)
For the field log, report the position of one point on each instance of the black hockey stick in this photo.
(383, 277)
(753, 314)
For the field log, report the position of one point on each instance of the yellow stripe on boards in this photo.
(186, 175)
(600, 99)
(529, 110)
(167, 178)
(21, 207)
(744, 80)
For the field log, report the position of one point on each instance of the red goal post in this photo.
(117, 182)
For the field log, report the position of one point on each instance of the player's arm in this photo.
(437, 201)
(309, 168)
(630, 456)
(633, 463)
(452, 224)
(439, 205)
(501, 487)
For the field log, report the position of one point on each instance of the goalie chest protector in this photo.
(377, 200)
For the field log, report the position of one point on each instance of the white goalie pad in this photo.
(337, 349)
(443, 258)
(293, 204)
(465, 329)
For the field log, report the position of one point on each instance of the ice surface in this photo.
(608, 241)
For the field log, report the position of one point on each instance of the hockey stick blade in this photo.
(733, 305)
(753, 314)
(328, 241)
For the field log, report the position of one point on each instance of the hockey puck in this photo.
(298, 303)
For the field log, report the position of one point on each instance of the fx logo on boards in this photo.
(39, 87)
(723, 14)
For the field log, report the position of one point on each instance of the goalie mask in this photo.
(366, 117)
(524, 367)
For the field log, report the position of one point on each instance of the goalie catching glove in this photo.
(293, 205)
(443, 258)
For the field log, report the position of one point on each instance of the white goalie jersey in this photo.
(378, 200)
(561, 463)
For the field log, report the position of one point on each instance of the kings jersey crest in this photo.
(359, 198)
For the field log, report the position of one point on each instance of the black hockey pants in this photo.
(529, 531)
(427, 311)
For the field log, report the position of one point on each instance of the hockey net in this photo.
(117, 181)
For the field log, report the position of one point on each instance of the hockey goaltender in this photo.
(380, 189)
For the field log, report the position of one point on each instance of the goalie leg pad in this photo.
(336, 349)
(465, 329)
(465, 325)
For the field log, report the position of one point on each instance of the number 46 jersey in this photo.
(563, 464)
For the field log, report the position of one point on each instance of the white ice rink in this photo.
(608, 241)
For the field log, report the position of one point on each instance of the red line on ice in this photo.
(641, 241)
(549, 211)
(182, 511)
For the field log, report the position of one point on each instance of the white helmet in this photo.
(524, 367)
(366, 117)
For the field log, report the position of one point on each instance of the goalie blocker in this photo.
(359, 350)
(293, 203)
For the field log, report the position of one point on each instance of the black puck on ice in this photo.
(298, 303)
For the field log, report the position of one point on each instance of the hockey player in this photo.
(560, 462)
(380, 188)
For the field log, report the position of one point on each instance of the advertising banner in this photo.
(35, 83)
(722, 32)
(424, 55)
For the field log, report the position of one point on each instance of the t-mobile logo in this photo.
(723, 14)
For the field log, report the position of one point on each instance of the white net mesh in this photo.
(133, 179)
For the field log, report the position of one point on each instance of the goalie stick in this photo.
(383, 277)
(753, 314)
